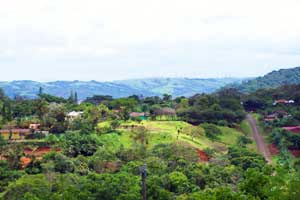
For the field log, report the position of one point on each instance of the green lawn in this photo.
(229, 135)
(246, 128)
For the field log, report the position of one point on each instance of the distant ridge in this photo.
(271, 80)
(146, 87)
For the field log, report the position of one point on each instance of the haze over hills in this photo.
(145, 87)
(271, 80)
(150, 86)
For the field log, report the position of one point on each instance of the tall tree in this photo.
(40, 91)
(75, 98)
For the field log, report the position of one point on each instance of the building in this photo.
(34, 126)
(276, 115)
(74, 115)
(293, 129)
(140, 115)
(283, 101)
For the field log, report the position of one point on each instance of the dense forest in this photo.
(193, 148)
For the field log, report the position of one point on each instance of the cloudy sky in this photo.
(120, 39)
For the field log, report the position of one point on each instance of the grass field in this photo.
(246, 128)
(167, 132)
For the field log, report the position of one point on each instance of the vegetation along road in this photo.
(261, 145)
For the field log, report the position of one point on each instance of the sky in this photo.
(47, 40)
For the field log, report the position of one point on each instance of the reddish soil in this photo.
(39, 152)
(273, 149)
(203, 156)
(295, 152)
(25, 162)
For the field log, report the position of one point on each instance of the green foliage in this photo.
(211, 131)
(272, 80)
(7, 175)
(243, 140)
(213, 109)
(76, 144)
(245, 159)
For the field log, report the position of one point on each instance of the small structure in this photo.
(270, 118)
(277, 114)
(34, 126)
(293, 129)
(140, 115)
(283, 101)
(74, 115)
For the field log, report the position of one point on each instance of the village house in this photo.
(74, 115)
(140, 115)
(276, 115)
(283, 101)
(34, 126)
(293, 129)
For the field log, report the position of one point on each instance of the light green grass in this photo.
(246, 128)
(167, 132)
(229, 135)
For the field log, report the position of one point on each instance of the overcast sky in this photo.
(120, 39)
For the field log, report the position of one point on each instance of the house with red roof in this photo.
(293, 129)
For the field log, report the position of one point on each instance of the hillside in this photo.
(145, 87)
(272, 80)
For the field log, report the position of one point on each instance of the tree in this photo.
(3, 143)
(75, 98)
(243, 140)
(13, 154)
(55, 118)
(63, 164)
(41, 107)
(141, 135)
(76, 144)
(211, 131)
(195, 132)
(40, 91)
(254, 184)
(178, 183)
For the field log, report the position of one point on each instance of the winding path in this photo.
(260, 142)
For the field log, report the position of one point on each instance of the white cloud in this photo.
(98, 33)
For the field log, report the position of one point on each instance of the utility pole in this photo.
(143, 172)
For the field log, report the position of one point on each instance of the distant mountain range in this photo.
(146, 87)
(151, 86)
(271, 80)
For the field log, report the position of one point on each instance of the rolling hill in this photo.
(271, 80)
(145, 87)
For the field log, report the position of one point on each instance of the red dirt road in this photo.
(260, 142)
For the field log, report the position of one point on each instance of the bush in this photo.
(211, 131)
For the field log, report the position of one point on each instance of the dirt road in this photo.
(260, 142)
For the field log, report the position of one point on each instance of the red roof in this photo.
(281, 101)
(294, 129)
(137, 114)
